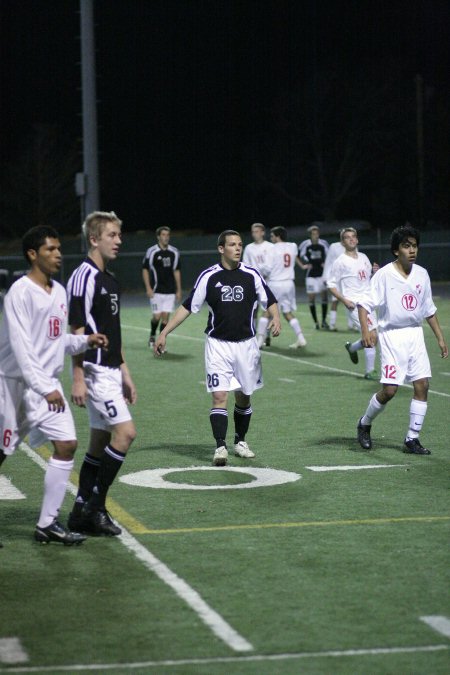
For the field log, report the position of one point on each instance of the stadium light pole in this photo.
(90, 198)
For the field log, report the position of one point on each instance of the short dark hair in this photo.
(163, 228)
(401, 234)
(279, 231)
(35, 238)
(223, 236)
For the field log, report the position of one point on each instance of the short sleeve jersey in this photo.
(161, 264)
(315, 255)
(282, 261)
(351, 275)
(336, 249)
(94, 303)
(232, 296)
(400, 302)
(257, 256)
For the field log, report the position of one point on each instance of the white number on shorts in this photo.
(213, 380)
(111, 409)
(230, 293)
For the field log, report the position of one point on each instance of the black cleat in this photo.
(267, 342)
(325, 326)
(414, 447)
(57, 532)
(364, 439)
(151, 341)
(77, 522)
(353, 355)
(317, 326)
(99, 523)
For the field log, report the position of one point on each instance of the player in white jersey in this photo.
(33, 341)
(232, 291)
(349, 279)
(401, 292)
(257, 255)
(336, 249)
(281, 279)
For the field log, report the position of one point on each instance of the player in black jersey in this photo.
(233, 360)
(162, 280)
(101, 380)
(311, 257)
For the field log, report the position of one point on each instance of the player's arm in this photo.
(180, 315)
(79, 388)
(177, 276)
(275, 321)
(338, 295)
(146, 280)
(368, 337)
(433, 322)
(128, 386)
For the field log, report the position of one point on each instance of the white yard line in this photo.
(207, 614)
(259, 658)
(353, 467)
(304, 362)
(8, 491)
(441, 624)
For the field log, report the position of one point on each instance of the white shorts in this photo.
(315, 285)
(284, 291)
(403, 355)
(372, 322)
(162, 302)
(23, 411)
(232, 366)
(106, 404)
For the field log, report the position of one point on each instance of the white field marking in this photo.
(207, 614)
(290, 358)
(441, 624)
(285, 379)
(259, 658)
(353, 467)
(11, 651)
(446, 374)
(8, 490)
(154, 478)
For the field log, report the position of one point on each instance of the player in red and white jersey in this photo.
(33, 341)
(257, 255)
(281, 279)
(401, 292)
(349, 279)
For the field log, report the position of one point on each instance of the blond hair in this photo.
(96, 222)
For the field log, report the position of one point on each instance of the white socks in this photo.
(369, 354)
(55, 485)
(373, 409)
(294, 324)
(417, 412)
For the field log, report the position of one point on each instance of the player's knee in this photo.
(421, 389)
(65, 450)
(387, 393)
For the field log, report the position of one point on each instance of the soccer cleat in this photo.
(99, 523)
(325, 326)
(353, 355)
(57, 532)
(301, 342)
(151, 341)
(317, 326)
(371, 375)
(333, 329)
(268, 341)
(220, 456)
(364, 435)
(241, 449)
(414, 447)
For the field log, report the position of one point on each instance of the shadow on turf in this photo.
(170, 356)
(352, 444)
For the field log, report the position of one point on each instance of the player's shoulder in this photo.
(173, 249)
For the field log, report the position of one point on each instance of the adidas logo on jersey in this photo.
(103, 291)
(218, 285)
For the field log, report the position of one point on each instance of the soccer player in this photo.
(349, 279)
(312, 253)
(257, 255)
(232, 357)
(402, 293)
(162, 280)
(101, 380)
(281, 280)
(33, 341)
(336, 249)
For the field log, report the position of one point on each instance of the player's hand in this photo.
(349, 304)
(275, 327)
(129, 390)
(98, 340)
(79, 394)
(55, 401)
(160, 345)
(444, 350)
(150, 293)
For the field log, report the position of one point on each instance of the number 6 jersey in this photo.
(400, 302)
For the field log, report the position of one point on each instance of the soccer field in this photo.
(315, 557)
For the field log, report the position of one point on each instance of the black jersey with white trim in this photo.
(232, 296)
(161, 264)
(94, 304)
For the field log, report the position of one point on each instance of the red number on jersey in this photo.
(287, 260)
(54, 328)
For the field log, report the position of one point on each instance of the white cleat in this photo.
(220, 456)
(301, 342)
(241, 449)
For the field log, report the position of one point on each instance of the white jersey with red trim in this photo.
(33, 335)
(282, 261)
(401, 302)
(258, 256)
(351, 275)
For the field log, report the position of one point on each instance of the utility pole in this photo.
(420, 151)
(89, 186)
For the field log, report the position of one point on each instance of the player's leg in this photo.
(324, 294)
(312, 308)
(218, 417)
(242, 416)
(417, 412)
(154, 323)
(333, 314)
(376, 406)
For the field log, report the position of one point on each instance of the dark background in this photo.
(218, 113)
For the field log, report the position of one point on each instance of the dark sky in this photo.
(185, 85)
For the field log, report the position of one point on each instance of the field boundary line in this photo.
(312, 523)
(212, 619)
(289, 358)
(261, 658)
